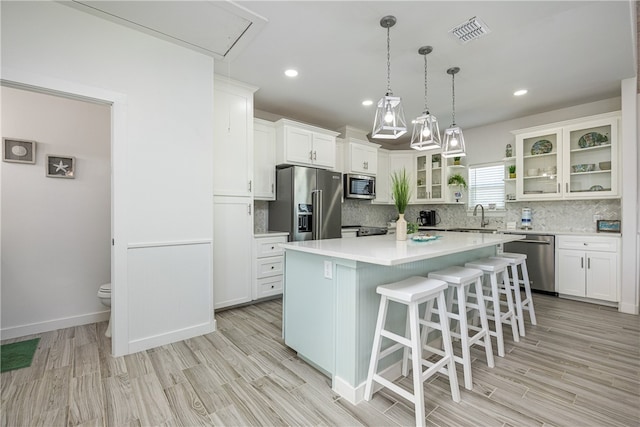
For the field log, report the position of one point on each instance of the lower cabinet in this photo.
(588, 267)
(232, 242)
(268, 265)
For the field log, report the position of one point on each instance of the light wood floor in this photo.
(580, 366)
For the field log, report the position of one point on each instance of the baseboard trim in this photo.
(627, 308)
(52, 325)
(355, 395)
(171, 337)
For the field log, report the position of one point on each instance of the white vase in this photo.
(401, 228)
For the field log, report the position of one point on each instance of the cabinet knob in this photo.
(273, 247)
(272, 286)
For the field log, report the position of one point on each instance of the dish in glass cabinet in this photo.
(592, 139)
(543, 146)
(596, 188)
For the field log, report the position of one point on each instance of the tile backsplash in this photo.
(569, 216)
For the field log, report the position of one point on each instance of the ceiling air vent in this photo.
(472, 29)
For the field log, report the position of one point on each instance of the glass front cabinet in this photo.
(429, 178)
(572, 160)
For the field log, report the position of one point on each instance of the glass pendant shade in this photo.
(453, 142)
(426, 133)
(453, 138)
(389, 122)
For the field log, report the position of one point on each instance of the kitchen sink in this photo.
(475, 230)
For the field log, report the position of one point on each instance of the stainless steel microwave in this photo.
(359, 186)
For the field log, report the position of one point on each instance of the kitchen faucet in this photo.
(475, 213)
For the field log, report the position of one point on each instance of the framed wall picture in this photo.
(61, 166)
(609, 226)
(18, 150)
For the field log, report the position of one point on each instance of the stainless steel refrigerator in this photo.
(308, 203)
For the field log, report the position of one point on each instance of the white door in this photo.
(298, 145)
(571, 268)
(324, 151)
(232, 248)
(602, 275)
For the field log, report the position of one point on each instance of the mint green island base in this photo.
(330, 299)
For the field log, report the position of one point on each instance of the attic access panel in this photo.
(215, 28)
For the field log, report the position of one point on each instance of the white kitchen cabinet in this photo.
(403, 159)
(591, 145)
(430, 177)
(306, 145)
(232, 138)
(361, 157)
(268, 265)
(588, 267)
(383, 179)
(576, 159)
(232, 246)
(264, 160)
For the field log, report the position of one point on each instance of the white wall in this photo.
(161, 152)
(487, 144)
(56, 232)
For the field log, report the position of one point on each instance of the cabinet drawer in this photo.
(588, 243)
(269, 286)
(269, 246)
(268, 267)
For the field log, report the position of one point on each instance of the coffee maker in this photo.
(427, 218)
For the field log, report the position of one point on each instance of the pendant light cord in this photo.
(388, 62)
(426, 108)
(453, 97)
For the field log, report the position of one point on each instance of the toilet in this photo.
(104, 293)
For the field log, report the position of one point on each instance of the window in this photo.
(486, 185)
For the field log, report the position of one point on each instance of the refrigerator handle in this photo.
(316, 200)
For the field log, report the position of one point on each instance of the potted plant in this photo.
(457, 180)
(401, 192)
(456, 160)
(512, 171)
(435, 161)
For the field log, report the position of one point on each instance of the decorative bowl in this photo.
(592, 139)
(605, 166)
(584, 167)
(543, 146)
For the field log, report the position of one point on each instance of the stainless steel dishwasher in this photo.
(541, 260)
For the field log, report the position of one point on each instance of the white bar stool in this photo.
(516, 260)
(492, 268)
(460, 280)
(412, 292)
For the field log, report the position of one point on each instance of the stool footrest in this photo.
(391, 386)
(395, 337)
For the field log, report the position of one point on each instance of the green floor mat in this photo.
(17, 355)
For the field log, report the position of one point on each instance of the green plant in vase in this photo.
(457, 180)
(512, 171)
(401, 192)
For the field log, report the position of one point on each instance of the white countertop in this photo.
(385, 250)
(534, 231)
(270, 234)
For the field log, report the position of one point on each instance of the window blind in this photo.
(486, 185)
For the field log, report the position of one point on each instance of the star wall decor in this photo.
(61, 166)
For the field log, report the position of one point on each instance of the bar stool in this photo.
(492, 268)
(516, 260)
(460, 281)
(412, 292)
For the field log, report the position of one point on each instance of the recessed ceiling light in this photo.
(291, 72)
(367, 102)
(520, 92)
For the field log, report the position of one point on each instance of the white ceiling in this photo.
(564, 53)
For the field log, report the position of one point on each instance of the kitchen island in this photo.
(330, 299)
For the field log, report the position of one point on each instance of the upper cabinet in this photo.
(301, 144)
(591, 159)
(569, 160)
(232, 138)
(383, 181)
(264, 165)
(429, 177)
(361, 157)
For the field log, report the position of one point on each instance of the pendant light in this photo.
(389, 122)
(426, 133)
(453, 138)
